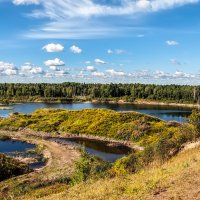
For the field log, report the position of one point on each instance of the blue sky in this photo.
(128, 41)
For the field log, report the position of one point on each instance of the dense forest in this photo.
(128, 92)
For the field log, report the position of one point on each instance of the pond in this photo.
(167, 113)
(101, 149)
(18, 148)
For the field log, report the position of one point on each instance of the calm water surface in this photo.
(15, 148)
(10, 146)
(167, 113)
(97, 148)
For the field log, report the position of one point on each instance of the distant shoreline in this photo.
(136, 102)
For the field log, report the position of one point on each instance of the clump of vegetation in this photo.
(98, 122)
(9, 167)
(194, 120)
(37, 153)
(89, 167)
(4, 137)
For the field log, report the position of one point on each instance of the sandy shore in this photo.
(6, 108)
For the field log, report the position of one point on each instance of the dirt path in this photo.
(60, 165)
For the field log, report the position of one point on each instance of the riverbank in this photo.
(145, 102)
(60, 163)
(109, 101)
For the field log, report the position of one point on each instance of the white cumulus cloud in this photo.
(113, 72)
(91, 68)
(98, 74)
(8, 69)
(53, 47)
(36, 70)
(75, 49)
(55, 62)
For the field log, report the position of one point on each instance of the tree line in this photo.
(178, 93)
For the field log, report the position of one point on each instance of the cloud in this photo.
(113, 72)
(61, 73)
(172, 43)
(8, 69)
(53, 47)
(54, 68)
(4, 66)
(99, 61)
(26, 67)
(10, 72)
(30, 69)
(98, 74)
(181, 74)
(109, 51)
(26, 2)
(55, 62)
(89, 8)
(36, 70)
(75, 49)
(91, 68)
(48, 75)
(86, 18)
(116, 51)
(161, 74)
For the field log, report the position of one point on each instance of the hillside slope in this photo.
(179, 178)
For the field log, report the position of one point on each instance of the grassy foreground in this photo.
(160, 171)
(177, 179)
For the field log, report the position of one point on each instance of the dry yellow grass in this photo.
(177, 179)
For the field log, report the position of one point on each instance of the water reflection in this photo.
(97, 148)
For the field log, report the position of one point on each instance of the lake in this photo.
(167, 113)
(11, 146)
(97, 148)
(18, 148)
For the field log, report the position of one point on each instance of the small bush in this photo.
(9, 167)
(89, 167)
(126, 165)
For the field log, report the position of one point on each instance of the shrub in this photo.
(89, 167)
(9, 167)
(126, 165)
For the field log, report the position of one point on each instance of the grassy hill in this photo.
(97, 122)
(160, 171)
